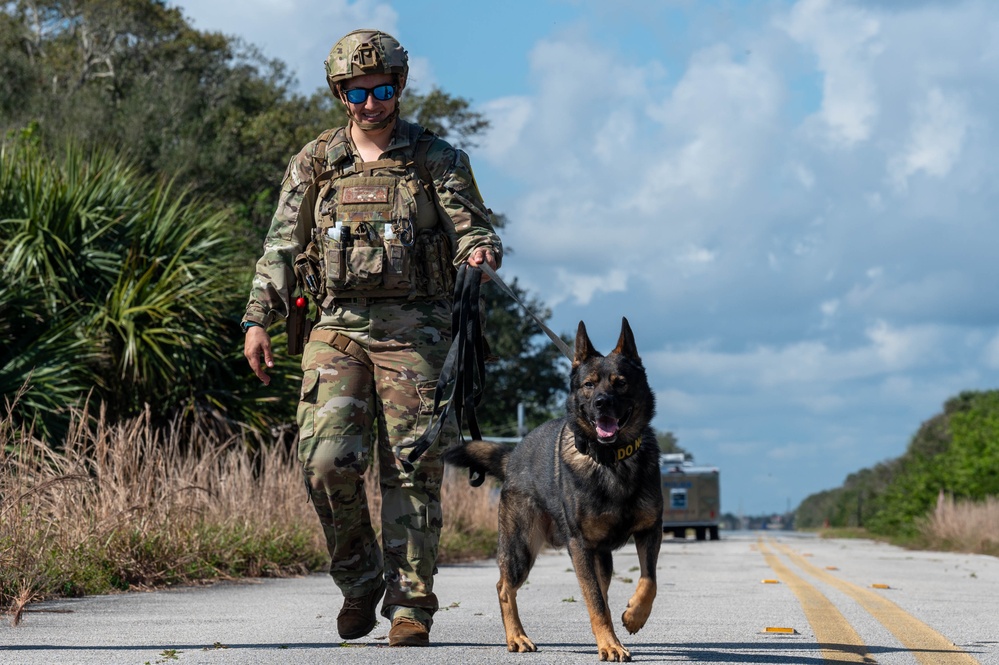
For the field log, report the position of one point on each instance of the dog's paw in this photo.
(614, 653)
(634, 618)
(519, 643)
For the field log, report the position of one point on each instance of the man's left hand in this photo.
(483, 255)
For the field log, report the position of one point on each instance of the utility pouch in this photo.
(334, 241)
(396, 265)
(308, 270)
(364, 254)
(400, 234)
(435, 263)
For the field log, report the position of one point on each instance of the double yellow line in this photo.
(837, 639)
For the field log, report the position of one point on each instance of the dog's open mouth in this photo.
(607, 427)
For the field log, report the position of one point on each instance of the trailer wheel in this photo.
(701, 533)
(714, 533)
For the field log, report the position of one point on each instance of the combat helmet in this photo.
(366, 52)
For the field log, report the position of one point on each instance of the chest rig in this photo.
(376, 232)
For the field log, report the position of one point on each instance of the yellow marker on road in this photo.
(780, 629)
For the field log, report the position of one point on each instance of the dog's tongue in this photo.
(606, 427)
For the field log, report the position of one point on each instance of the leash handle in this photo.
(463, 372)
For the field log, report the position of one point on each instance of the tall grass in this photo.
(129, 506)
(966, 526)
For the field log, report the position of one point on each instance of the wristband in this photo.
(246, 325)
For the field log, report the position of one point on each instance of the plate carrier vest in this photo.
(375, 226)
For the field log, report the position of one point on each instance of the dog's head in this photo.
(609, 396)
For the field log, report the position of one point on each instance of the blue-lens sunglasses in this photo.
(382, 93)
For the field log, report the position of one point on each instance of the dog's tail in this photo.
(480, 457)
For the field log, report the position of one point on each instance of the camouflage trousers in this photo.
(350, 416)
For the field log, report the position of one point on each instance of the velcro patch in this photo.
(365, 194)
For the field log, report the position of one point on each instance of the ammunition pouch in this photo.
(308, 270)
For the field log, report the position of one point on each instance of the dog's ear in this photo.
(626, 343)
(584, 347)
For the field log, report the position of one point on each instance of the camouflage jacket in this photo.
(461, 212)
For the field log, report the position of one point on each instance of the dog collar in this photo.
(624, 452)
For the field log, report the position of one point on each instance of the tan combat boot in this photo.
(357, 616)
(406, 632)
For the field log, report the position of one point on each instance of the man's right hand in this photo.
(257, 343)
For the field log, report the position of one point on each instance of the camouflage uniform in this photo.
(350, 414)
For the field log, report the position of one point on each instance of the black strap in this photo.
(462, 377)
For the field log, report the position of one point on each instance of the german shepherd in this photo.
(588, 481)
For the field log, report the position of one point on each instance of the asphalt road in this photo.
(749, 598)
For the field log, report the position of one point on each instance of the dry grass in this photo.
(130, 506)
(964, 526)
(470, 518)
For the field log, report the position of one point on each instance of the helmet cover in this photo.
(366, 52)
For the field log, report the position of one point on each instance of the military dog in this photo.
(588, 482)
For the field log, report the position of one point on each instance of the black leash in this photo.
(462, 377)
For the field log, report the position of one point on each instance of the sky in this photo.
(792, 202)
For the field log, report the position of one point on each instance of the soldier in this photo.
(372, 219)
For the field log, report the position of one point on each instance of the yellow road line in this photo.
(837, 639)
(927, 645)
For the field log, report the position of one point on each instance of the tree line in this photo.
(139, 168)
(956, 452)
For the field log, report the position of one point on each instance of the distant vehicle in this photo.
(691, 497)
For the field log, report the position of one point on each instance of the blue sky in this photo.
(793, 203)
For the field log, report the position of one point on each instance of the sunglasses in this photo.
(382, 93)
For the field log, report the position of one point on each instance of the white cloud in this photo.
(899, 349)
(887, 349)
(829, 309)
(695, 260)
(678, 403)
(844, 38)
(804, 175)
(711, 126)
(583, 287)
(299, 32)
(508, 118)
(623, 173)
(939, 127)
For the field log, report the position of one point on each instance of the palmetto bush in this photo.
(117, 288)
